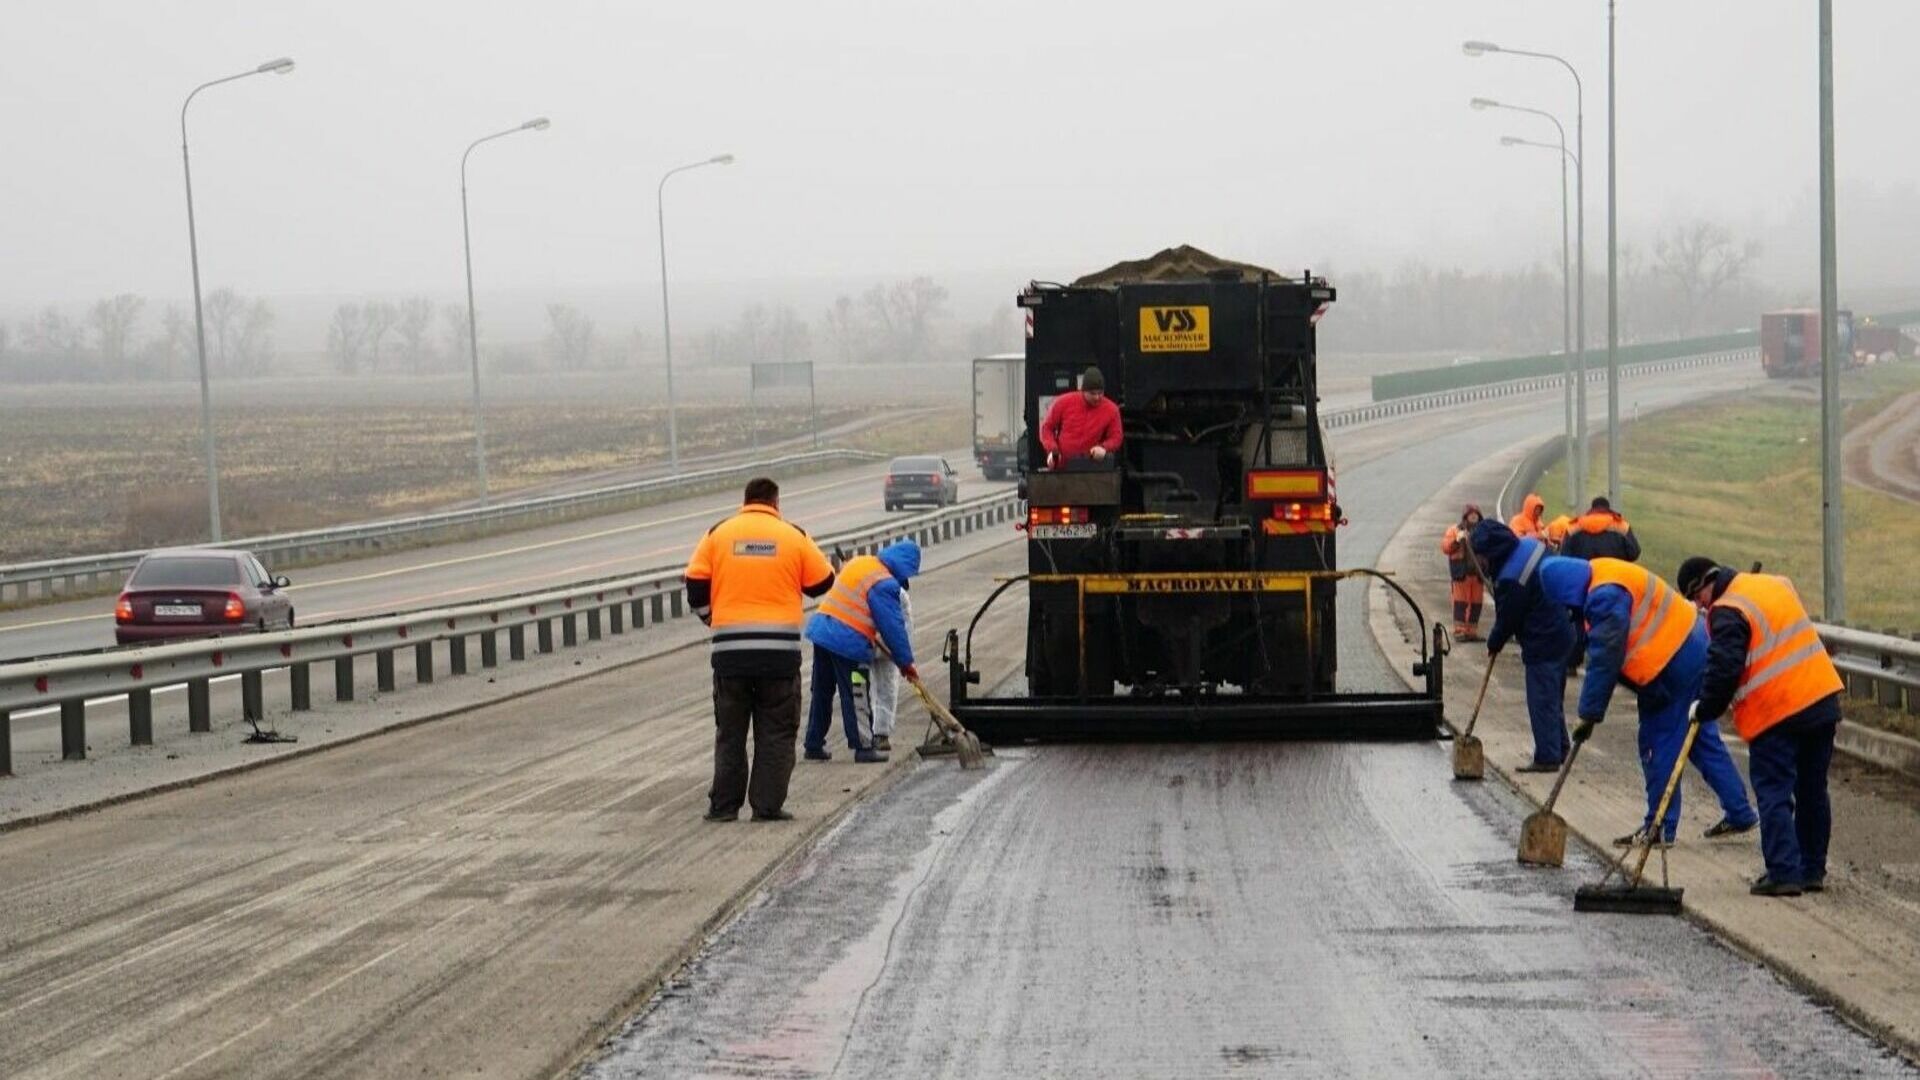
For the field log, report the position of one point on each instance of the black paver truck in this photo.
(1185, 586)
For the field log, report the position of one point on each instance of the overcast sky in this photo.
(883, 138)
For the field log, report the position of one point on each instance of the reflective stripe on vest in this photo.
(848, 600)
(1660, 621)
(1533, 562)
(762, 636)
(1787, 667)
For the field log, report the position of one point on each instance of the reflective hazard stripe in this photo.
(1533, 562)
(1777, 667)
(739, 636)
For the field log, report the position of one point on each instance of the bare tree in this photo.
(454, 329)
(998, 332)
(842, 322)
(347, 338)
(256, 338)
(753, 335)
(415, 319)
(640, 347)
(381, 318)
(904, 313)
(222, 311)
(51, 336)
(1701, 259)
(789, 336)
(176, 340)
(569, 336)
(114, 319)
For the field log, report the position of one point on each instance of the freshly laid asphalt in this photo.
(1262, 909)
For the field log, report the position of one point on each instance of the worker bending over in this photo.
(863, 607)
(1082, 426)
(1766, 661)
(1522, 612)
(1645, 635)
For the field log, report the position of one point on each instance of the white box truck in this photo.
(998, 385)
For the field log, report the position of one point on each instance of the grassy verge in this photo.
(1740, 481)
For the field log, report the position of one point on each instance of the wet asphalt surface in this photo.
(1249, 909)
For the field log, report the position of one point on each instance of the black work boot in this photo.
(1766, 886)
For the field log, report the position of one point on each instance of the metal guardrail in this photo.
(1883, 667)
(1380, 410)
(609, 605)
(82, 573)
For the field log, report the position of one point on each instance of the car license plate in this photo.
(1066, 532)
(177, 611)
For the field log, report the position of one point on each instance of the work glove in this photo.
(911, 673)
(1583, 730)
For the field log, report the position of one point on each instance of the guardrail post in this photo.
(544, 635)
(140, 717)
(489, 649)
(383, 670)
(300, 686)
(617, 619)
(593, 624)
(659, 609)
(1890, 691)
(457, 654)
(253, 705)
(677, 600)
(73, 730)
(517, 642)
(343, 679)
(570, 629)
(423, 662)
(6, 743)
(199, 706)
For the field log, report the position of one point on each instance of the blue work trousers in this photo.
(1547, 709)
(851, 679)
(1662, 731)
(1789, 764)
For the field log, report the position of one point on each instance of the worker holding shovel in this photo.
(1644, 634)
(1522, 612)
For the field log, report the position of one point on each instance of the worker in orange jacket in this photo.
(1469, 590)
(1766, 662)
(1531, 520)
(1555, 533)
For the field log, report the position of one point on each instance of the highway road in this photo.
(1314, 910)
(644, 539)
(489, 893)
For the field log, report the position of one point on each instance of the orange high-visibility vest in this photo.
(1788, 667)
(848, 600)
(1660, 622)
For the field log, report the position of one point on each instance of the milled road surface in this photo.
(1292, 909)
(516, 562)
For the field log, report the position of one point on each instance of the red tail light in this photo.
(1293, 511)
(236, 608)
(123, 609)
(936, 479)
(1057, 515)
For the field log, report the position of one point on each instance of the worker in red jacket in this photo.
(1082, 425)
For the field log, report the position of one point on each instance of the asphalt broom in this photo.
(1469, 757)
(1632, 896)
(1543, 835)
(966, 745)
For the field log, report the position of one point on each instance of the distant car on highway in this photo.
(928, 480)
(195, 592)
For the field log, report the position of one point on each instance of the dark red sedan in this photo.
(194, 592)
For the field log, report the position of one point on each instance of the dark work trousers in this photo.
(769, 706)
(1789, 766)
(851, 680)
(1547, 710)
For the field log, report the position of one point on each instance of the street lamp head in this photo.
(721, 159)
(1476, 48)
(1483, 103)
(1511, 140)
(279, 67)
(538, 123)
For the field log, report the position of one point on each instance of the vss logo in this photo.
(1184, 328)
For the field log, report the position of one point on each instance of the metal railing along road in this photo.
(608, 606)
(83, 573)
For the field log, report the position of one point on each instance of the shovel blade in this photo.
(1543, 839)
(1469, 758)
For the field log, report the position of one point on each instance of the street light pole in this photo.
(538, 123)
(1832, 523)
(1566, 285)
(1613, 276)
(1578, 468)
(666, 308)
(279, 67)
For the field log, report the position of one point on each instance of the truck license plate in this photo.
(1066, 532)
(177, 611)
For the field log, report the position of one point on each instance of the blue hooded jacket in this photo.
(883, 603)
(1608, 610)
(1521, 609)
